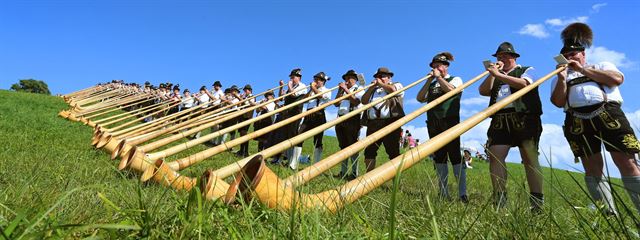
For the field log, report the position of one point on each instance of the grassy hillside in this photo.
(53, 183)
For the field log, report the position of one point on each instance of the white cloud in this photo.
(464, 113)
(600, 54)
(534, 30)
(634, 120)
(479, 100)
(596, 7)
(559, 23)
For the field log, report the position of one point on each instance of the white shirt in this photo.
(204, 100)
(324, 98)
(590, 93)
(456, 82)
(384, 110)
(505, 89)
(299, 90)
(188, 102)
(270, 107)
(247, 101)
(233, 100)
(345, 104)
(217, 95)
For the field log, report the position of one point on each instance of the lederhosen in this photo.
(244, 117)
(441, 118)
(260, 124)
(348, 130)
(311, 121)
(391, 141)
(586, 128)
(514, 125)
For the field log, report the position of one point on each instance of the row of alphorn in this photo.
(136, 143)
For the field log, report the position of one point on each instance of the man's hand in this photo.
(435, 73)
(495, 68)
(281, 83)
(576, 66)
(562, 74)
(343, 86)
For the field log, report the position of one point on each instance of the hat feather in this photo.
(577, 33)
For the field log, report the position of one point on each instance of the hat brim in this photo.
(378, 74)
(344, 77)
(512, 54)
(432, 62)
(567, 49)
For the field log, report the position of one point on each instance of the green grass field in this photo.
(54, 184)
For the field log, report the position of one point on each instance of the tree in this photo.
(32, 86)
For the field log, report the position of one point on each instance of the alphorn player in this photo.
(349, 130)
(231, 97)
(269, 107)
(518, 124)
(382, 114)
(443, 117)
(203, 101)
(590, 96)
(296, 87)
(247, 94)
(313, 120)
(216, 95)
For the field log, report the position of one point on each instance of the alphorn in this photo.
(185, 162)
(198, 157)
(256, 179)
(136, 157)
(75, 112)
(213, 187)
(318, 168)
(125, 145)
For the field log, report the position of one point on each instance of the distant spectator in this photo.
(467, 159)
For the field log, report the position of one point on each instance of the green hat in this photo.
(351, 72)
(296, 72)
(576, 37)
(506, 47)
(217, 83)
(269, 93)
(162, 85)
(247, 87)
(321, 76)
(203, 88)
(383, 70)
(443, 57)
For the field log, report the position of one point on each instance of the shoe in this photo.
(275, 161)
(350, 177)
(464, 199)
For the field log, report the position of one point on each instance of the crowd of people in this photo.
(588, 92)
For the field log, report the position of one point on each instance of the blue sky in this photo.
(76, 44)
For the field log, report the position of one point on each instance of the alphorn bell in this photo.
(255, 179)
